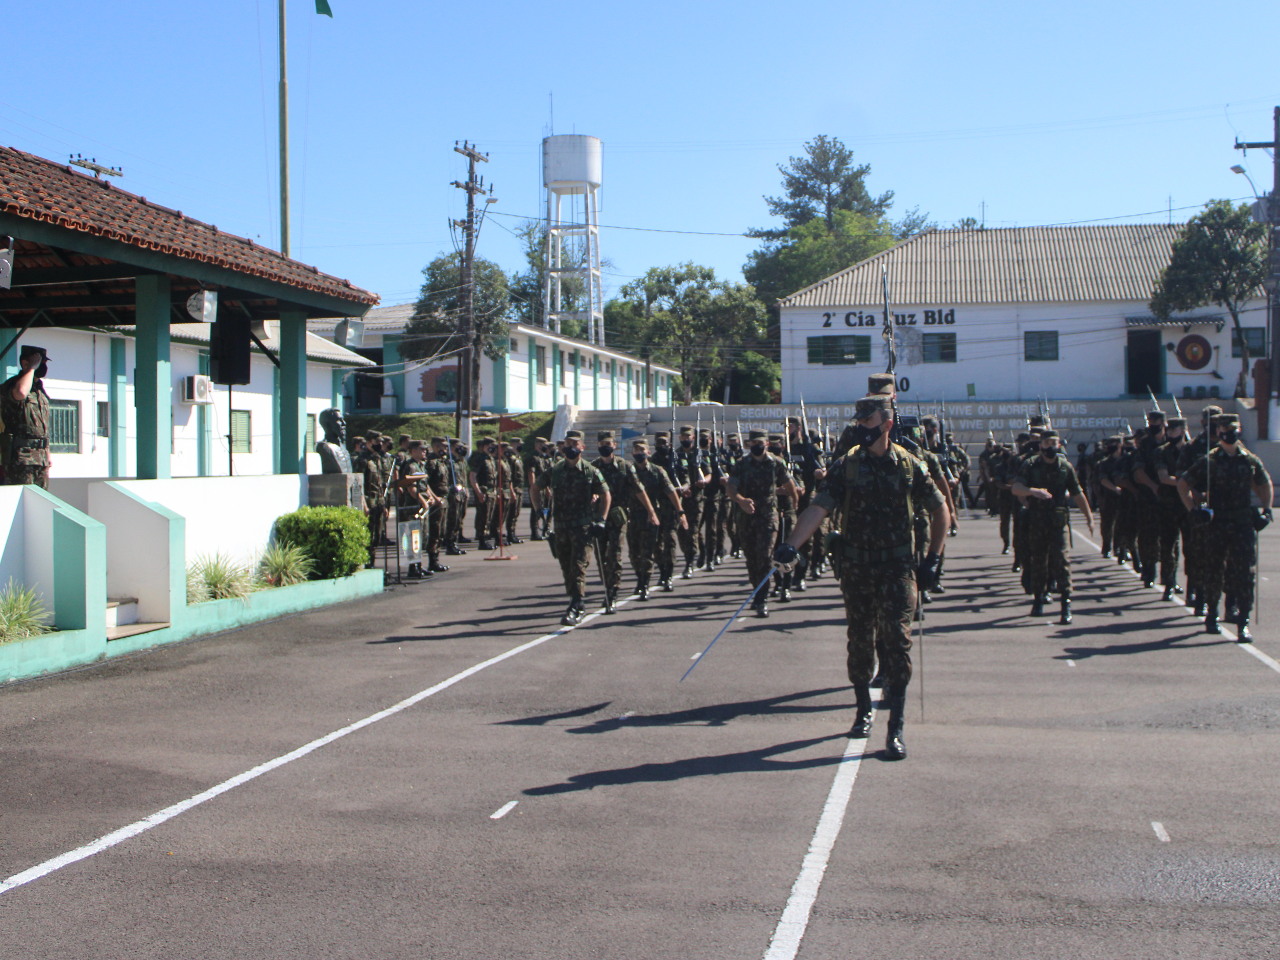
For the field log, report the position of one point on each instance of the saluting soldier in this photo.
(874, 487)
(1049, 484)
(1225, 480)
(580, 498)
(624, 489)
(754, 487)
(648, 544)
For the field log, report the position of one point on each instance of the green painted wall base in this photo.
(63, 649)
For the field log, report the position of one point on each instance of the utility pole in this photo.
(466, 365)
(1271, 208)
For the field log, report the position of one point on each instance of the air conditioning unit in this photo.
(197, 389)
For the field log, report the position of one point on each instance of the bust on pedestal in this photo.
(337, 485)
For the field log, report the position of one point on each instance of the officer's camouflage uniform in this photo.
(26, 437)
(535, 465)
(513, 493)
(875, 555)
(1231, 541)
(1109, 503)
(691, 461)
(787, 513)
(1194, 535)
(571, 484)
(370, 465)
(484, 476)
(1173, 514)
(455, 524)
(1149, 523)
(436, 472)
(711, 545)
(1047, 560)
(729, 511)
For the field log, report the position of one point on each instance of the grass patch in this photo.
(218, 577)
(22, 613)
(283, 565)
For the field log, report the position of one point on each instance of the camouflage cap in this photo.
(793, 421)
(871, 404)
(1048, 434)
(541, 440)
(1211, 411)
(573, 434)
(1227, 420)
(1035, 420)
(662, 435)
(359, 439)
(686, 429)
(881, 384)
(639, 442)
(1155, 416)
(704, 432)
(733, 436)
(405, 438)
(758, 435)
(438, 440)
(929, 421)
(1176, 422)
(775, 438)
(604, 435)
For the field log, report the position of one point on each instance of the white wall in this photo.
(989, 351)
(13, 527)
(229, 515)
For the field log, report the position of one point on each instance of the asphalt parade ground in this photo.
(443, 772)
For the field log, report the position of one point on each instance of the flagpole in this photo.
(284, 142)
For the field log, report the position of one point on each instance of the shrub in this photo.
(283, 565)
(218, 577)
(336, 539)
(22, 613)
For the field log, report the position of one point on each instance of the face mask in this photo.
(864, 436)
(639, 457)
(757, 449)
(686, 444)
(1230, 435)
(573, 453)
(1049, 453)
(605, 450)
(774, 449)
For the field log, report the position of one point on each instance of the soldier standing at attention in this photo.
(417, 501)
(24, 409)
(1195, 533)
(514, 469)
(874, 488)
(732, 455)
(536, 463)
(483, 470)
(711, 541)
(1224, 480)
(646, 543)
(1049, 483)
(580, 499)
(369, 465)
(624, 489)
(436, 471)
(754, 488)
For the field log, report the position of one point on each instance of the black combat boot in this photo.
(1037, 605)
(608, 602)
(762, 607)
(1211, 620)
(688, 570)
(573, 616)
(937, 581)
(642, 589)
(895, 748)
(1168, 592)
(1230, 611)
(453, 550)
(784, 589)
(862, 719)
(1065, 618)
(435, 566)
(1242, 629)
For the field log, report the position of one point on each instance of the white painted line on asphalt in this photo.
(804, 892)
(1227, 628)
(1161, 833)
(168, 813)
(503, 810)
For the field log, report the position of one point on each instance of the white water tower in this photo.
(571, 174)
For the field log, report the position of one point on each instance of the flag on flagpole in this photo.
(322, 6)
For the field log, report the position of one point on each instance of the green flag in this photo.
(322, 6)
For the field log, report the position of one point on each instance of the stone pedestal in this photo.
(336, 490)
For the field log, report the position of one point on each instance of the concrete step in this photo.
(133, 629)
(121, 611)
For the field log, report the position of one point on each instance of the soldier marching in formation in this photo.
(889, 500)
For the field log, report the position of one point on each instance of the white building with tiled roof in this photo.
(1012, 314)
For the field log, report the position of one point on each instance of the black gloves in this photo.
(784, 558)
(927, 575)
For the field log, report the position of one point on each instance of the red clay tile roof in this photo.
(39, 189)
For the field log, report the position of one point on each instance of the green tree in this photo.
(1219, 257)
(824, 180)
(692, 321)
(437, 324)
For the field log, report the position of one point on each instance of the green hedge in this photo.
(335, 538)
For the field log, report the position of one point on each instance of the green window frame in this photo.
(1039, 345)
(64, 426)
(839, 350)
(309, 441)
(104, 418)
(241, 431)
(938, 347)
(540, 363)
(1255, 337)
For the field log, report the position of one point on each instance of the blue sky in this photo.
(1045, 114)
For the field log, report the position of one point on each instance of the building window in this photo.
(1040, 345)
(64, 426)
(839, 350)
(515, 345)
(1254, 337)
(309, 441)
(104, 418)
(939, 347)
(446, 385)
(540, 363)
(241, 431)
